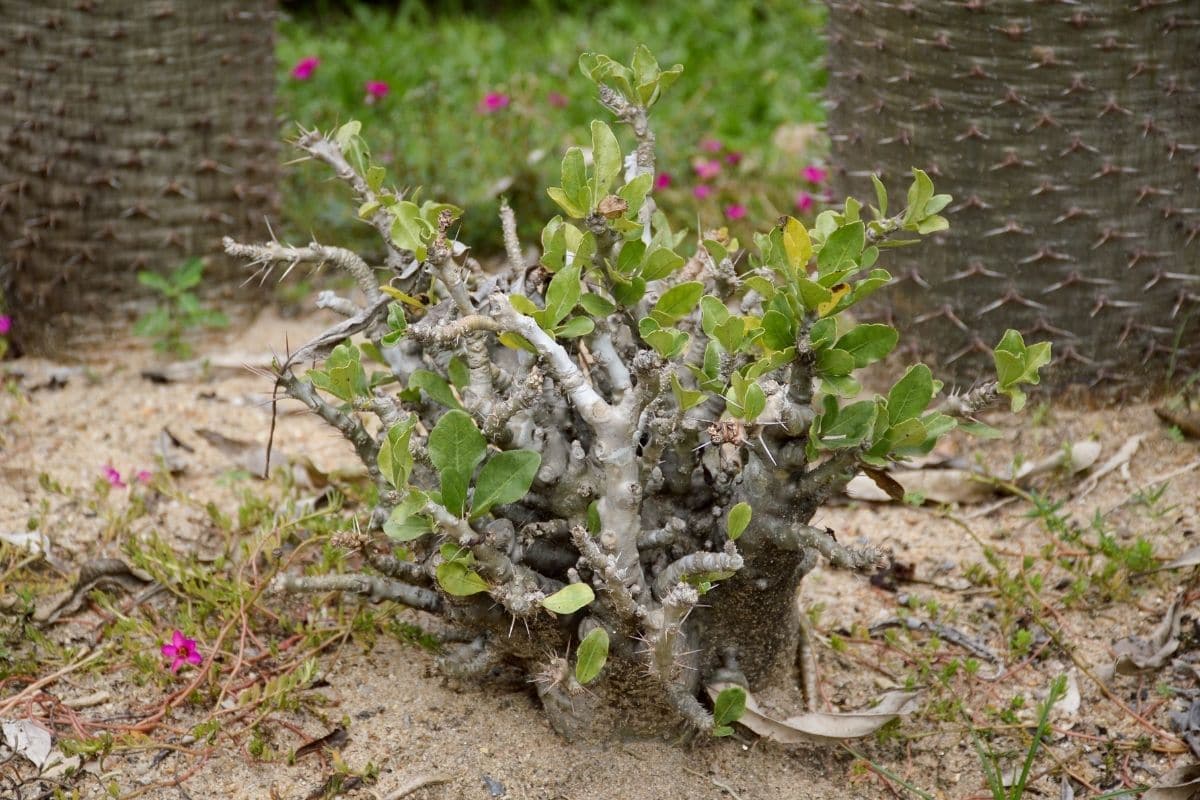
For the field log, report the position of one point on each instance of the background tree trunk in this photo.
(1069, 135)
(133, 135)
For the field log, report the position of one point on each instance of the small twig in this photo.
(725, 787)
(419, 782)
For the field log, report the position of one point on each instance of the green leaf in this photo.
(845, 427)
(189, 274)
(343, 375)
(563, 201)
(660, 263)
(375, 176)
(591, 656)
(728, 708)
(685, 398)
(880, 195)
(458, 580)
(505, 478)
(606, 161)
(405, 523)
(574, 182)
(730, 334)
(933, 224)
(596, 305)
(920, 192)
(911, 394)
(712, 313)
(812, 294)
(435, 386)
(842, 248)
(628, 294)
(455, 447)
(779, 332)
(395, 460)
(868, 343)
(634, 193)
(667, 342)
(823, 333)
(833, 362)
(569, 599)
(737, 521)
(562, 295)
(574, 328)
(677, 302)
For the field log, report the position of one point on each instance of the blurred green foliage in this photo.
(752, 69)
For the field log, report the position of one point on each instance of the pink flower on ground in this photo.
(305, 68)
(662, 180)
(144, 476)
(702, 191)
(804, 201)
(711, 145)
(5, 324)
(733, 158)
(557, 99)
(814, 174)
(113, 477)
(735, 211)
(376, 91)
(707, 170)
(493, 102)
(181, 650)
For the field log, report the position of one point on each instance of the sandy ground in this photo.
(70, 421)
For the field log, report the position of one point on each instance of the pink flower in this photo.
(702, 191)
(113, 477)
(181, 650)
(493, 102)
(733, 158)
(376, 91)
(5, 324)
(735, 211)
(144, 476)
(305, 68)
(557, 99)
(710, 145)
(804, 201)
(814, 174)
(707, 170)
(662, 180)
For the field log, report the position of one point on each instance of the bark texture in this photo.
(1069, 135)
(132, 136)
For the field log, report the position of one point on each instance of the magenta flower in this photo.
(707, 170)
(557, 99)
(113, 477)
(181, 650)
(702, 191)
(711, 145)
(376, 91)
(144, 476)
(305, 68)
(804, 201)
(734, 158)
(662, 180)
(814, 174)
(735, 211)
(493, 102)
(5, 324)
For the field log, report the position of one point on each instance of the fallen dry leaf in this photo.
(26, 738)
(1119, 459)
(1187, 422)
(1136, 656)
(821, 727)
(1181, 783)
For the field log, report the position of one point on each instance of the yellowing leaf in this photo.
(836, 292)
(796, 244)
(569, 599)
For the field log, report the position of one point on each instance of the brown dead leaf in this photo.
(1136, 656)
(935, 485)
(822, 727)
(100, 573)
(1181, 783)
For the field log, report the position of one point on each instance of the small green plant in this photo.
(991, 763)
(178, 309)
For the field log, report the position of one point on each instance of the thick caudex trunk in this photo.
(1069, 135)
(132, 136)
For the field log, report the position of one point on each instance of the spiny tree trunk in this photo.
(1069, 135)
(132, 135)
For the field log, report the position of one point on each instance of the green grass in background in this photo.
(750, 69)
